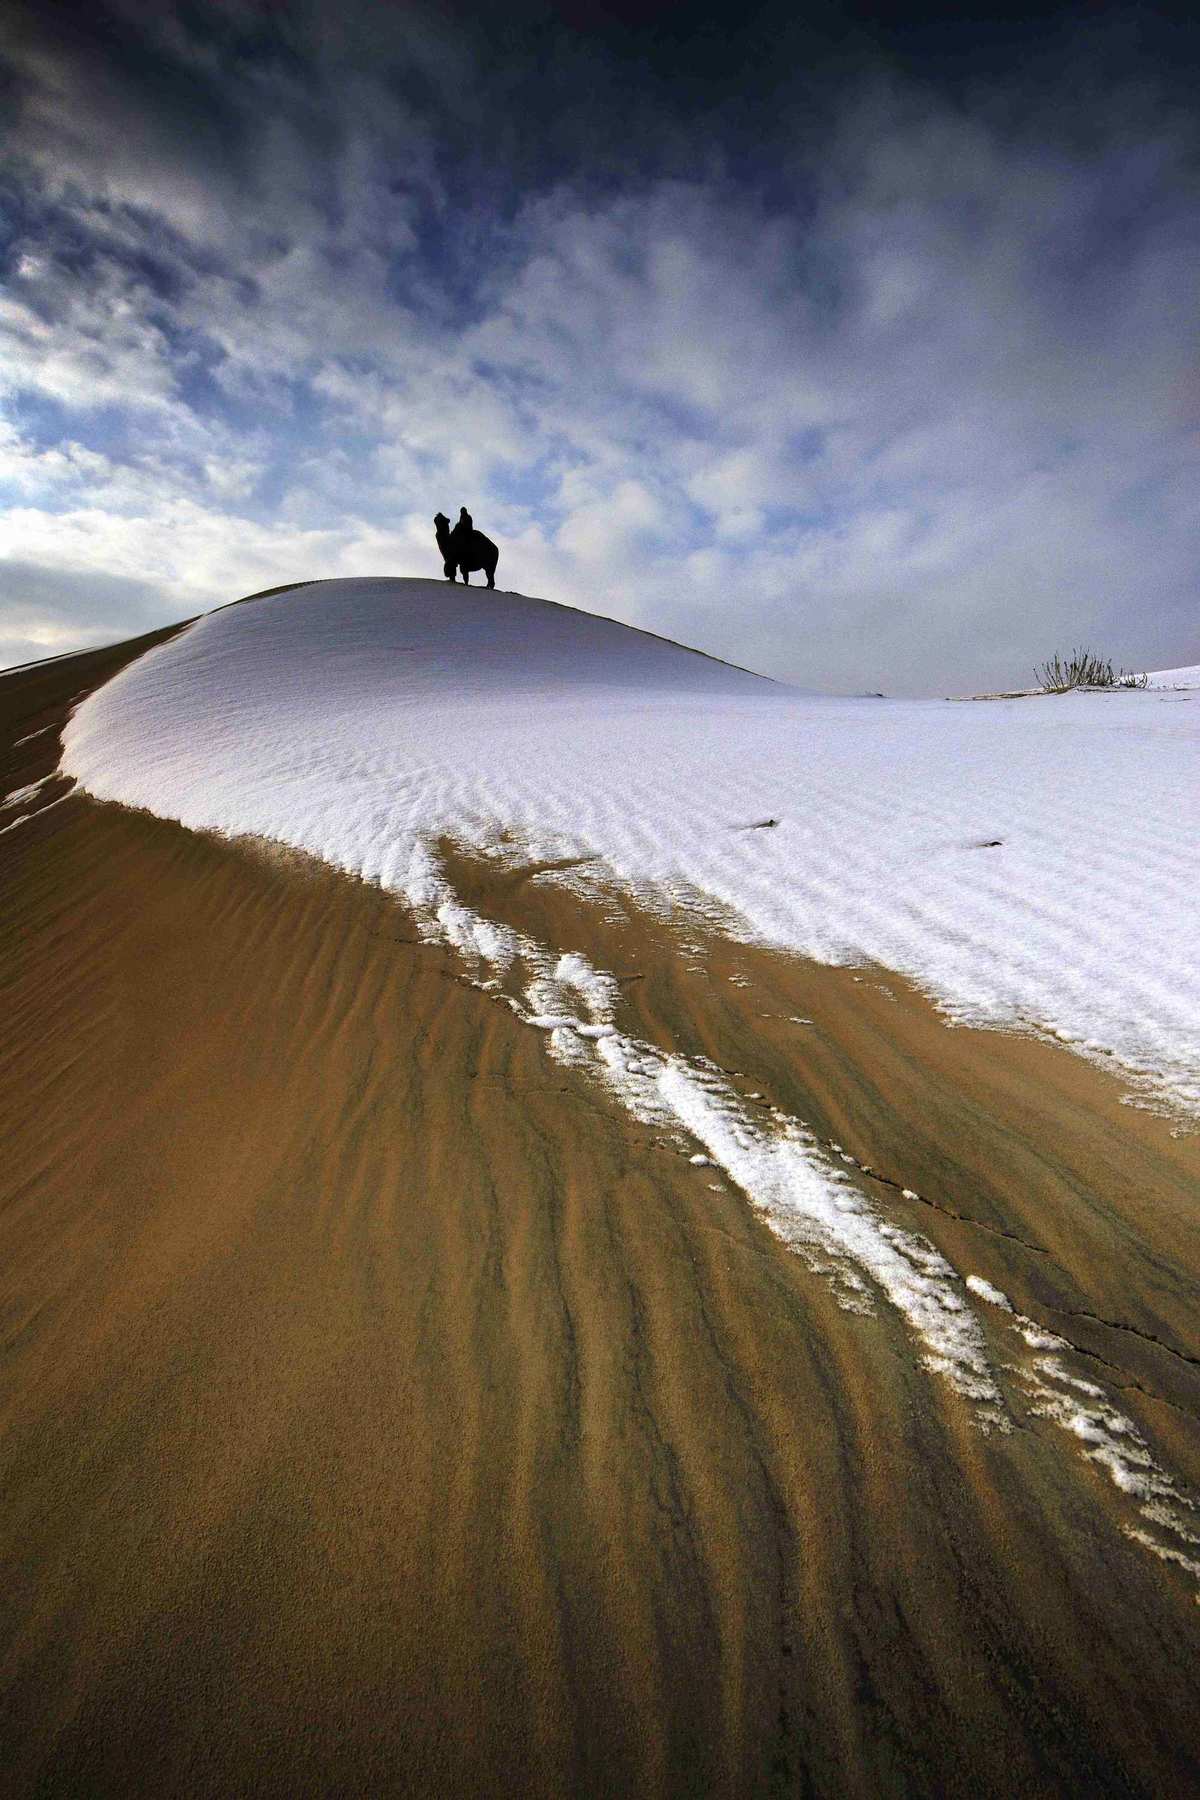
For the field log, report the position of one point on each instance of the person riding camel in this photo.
(464, 548)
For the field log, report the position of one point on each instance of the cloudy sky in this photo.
(863, 351)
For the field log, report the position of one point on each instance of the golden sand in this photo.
(383, 1412)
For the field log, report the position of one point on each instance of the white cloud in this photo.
(936, 419)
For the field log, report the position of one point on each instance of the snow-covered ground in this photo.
(1029, 862)
(1175, 678)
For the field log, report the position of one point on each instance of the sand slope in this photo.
(384, 1411)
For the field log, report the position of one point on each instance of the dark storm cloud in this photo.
(862, 350)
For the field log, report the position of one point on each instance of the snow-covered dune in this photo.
(1030, 863)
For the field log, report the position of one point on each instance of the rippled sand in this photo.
(384, 1410)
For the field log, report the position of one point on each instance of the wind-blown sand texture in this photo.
(385, 1409)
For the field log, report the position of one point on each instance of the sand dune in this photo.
(385, 1409)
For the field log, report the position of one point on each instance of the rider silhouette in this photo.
(464, 548)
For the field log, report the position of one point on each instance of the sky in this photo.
(858, 346)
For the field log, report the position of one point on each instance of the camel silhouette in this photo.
(465, 548)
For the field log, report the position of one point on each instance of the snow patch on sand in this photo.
(814, 1208)
(777, 1163)
(1105, 1435)
(23, 795)
(20, 795)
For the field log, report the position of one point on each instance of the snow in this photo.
(1006, 856)
(20, 795)
(836, 1230)
(781, 1167)
(1106, 1436)
(987, 1292)
(1175, 678)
